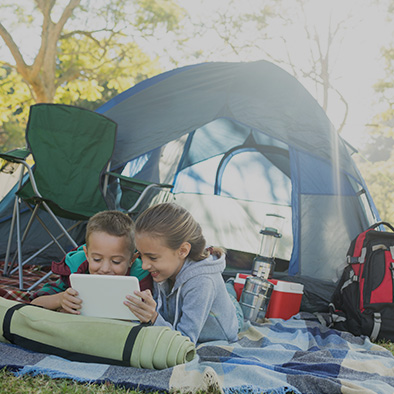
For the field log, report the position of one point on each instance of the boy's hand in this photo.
(69, 301)
(144, 308)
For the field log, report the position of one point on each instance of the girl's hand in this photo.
(144, 308)
(69, 301)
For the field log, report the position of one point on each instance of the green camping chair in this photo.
(71, 148)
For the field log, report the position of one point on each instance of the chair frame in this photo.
(8, 268)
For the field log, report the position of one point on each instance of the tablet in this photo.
(103, 295)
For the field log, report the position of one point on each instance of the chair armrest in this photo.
(139, 182)
(19, 156)
(135, 190)
(15, 155)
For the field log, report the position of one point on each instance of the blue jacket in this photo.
(198, 305)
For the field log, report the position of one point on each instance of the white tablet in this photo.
(103, 295)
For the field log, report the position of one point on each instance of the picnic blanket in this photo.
(298, 355)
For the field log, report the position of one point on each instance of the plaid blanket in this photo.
(298, 355)
(31, 274)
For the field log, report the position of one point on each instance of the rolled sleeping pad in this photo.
(95, 340)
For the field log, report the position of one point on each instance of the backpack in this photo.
(362, 302)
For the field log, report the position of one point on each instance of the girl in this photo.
(189, 292)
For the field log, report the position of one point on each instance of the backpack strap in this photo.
(360, 258)
(333, 316)
(352, 278)
(359, 250)
(321, 319)
(381, 223)
(377, 324)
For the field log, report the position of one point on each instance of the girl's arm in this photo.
(195, 304)
(144, 307)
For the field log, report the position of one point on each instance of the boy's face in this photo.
(108, 254)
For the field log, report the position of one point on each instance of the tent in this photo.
(239, 141)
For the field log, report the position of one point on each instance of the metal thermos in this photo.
(255, 298)
(267, 265)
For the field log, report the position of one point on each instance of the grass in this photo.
(387, 345)
(40, 384)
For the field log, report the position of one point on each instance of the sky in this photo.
(356, 62)
(356, 69)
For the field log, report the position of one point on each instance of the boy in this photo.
(109, 250)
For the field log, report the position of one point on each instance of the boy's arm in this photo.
(58, 297)
(50, 288)
(66, 301)
(50, 295)
(51, 301)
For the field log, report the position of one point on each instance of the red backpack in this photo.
(363, 302)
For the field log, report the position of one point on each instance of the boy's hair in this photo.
(114, 223)
(175, 225)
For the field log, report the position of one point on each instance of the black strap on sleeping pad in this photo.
(7, 321)
(130, 341)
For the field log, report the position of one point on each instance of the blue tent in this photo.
(239, 141)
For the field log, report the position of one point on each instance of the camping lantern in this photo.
(270, 234)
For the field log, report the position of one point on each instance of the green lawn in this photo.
(10, 384)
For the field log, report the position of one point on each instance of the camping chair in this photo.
(71, 147)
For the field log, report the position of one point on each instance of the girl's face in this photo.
(161, 261)
(108, 254)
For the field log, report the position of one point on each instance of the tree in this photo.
(16, 96)
(305, 37)
(378, 153)
(384, 121)
(379, 177)
(87, 52)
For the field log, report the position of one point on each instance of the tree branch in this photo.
(342, 98)
(67, 12)
(6, 64)
(69, 75)
(45, 7)
(50, 31)
(21, 66)
(88, 34)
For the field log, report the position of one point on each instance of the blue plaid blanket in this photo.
(298, 355)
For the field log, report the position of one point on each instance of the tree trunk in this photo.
(41, 75)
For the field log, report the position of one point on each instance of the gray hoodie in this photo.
(198, 304)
